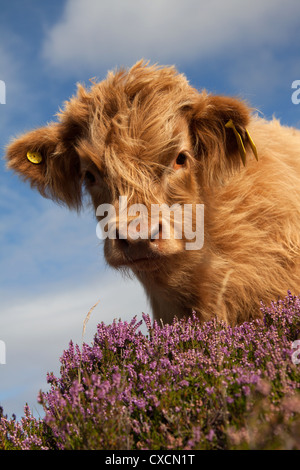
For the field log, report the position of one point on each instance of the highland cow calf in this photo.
(146, 135)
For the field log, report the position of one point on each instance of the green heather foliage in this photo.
(181, 386)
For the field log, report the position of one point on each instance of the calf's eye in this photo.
(89, 177)
(180, 161)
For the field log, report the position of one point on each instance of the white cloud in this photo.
(99, 34)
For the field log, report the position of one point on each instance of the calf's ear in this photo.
(221, 140)
(51, 165)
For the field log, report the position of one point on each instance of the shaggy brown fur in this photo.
(123, 136)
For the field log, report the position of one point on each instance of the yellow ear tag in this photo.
(239, 141)
(252, 145)
(34, 157)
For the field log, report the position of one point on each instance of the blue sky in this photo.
(52, 269)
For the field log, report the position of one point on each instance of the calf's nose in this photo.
(138, 245)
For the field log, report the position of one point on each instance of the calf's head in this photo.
(142, 136)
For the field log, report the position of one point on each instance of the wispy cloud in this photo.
(100, 34)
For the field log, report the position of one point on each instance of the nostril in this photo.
(121, 235)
